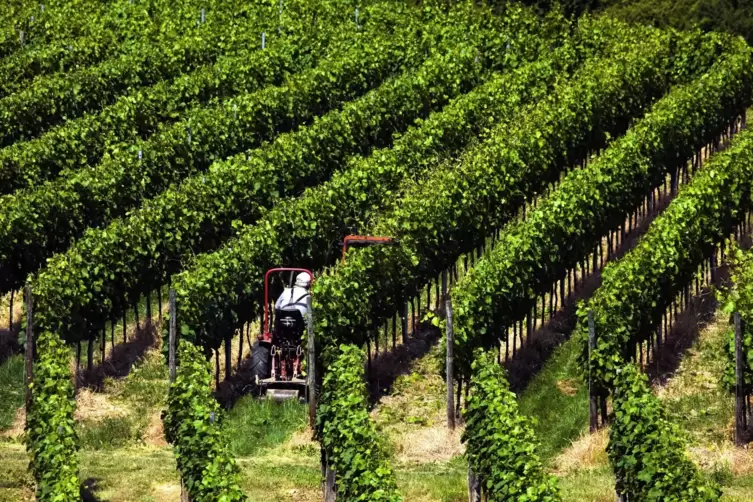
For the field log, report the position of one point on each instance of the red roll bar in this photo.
(364, 240)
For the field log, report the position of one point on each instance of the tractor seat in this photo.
(288, 326)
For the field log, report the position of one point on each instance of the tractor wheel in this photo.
(260, 364)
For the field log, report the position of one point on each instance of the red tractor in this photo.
(278, 355)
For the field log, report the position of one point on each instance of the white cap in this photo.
(303, 280)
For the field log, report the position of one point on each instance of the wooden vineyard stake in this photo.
(311, 369)
(228, 355)
(404, 321)
(172, 336)
(240, 347)
(592, 400)
(394, 331)
(740, 408)
(29, 355)
(10, 322)
(450, 346)
(159, 301)
(171, 363)
(330, 490)
(474, 486)
(90, 356)
(77, 376)
(216, 368)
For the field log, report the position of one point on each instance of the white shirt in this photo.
(294, 297)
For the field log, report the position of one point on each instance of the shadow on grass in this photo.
(121, 359)
(8, 344)
(89, 490)
(387, 366)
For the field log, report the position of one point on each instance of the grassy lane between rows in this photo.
(693, 396)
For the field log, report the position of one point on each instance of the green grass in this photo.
(11, 389)
(694, 397)
(254, 424)
(558, 400)
(131, 474)
(593, 485)
(109, 433)
(273, 480)
(146, 385)
(442, 482)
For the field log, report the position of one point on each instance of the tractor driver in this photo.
(297, 296)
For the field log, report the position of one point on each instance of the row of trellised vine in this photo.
(631, 303)
(500, 443)
(192, 426)
(344, 424)
(739, 298)
(205, 207)
(370, 476)
(38, 222)
(449, 212)
(353, 448)
(137, 115)
(51, 99)
(108, 33)
(51, 439)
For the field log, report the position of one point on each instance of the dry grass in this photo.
(434, 444)
(5, 309)
(94, 406)
(568, 386)
(413, 418)
(739, 461)
(17, 429)
(586, 452)
(154, 435)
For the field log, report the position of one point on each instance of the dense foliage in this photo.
(567, 225)
(739, 298)
(636, 290)
(193, 426)
(310, 33)
(51, 438)
(500, 444)
(711, 15)
(120, 259)
(646, 450)
(118, 28)
(455, 207)
(37, 222)
(348, 434)
(221, 290)
(51, 99)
